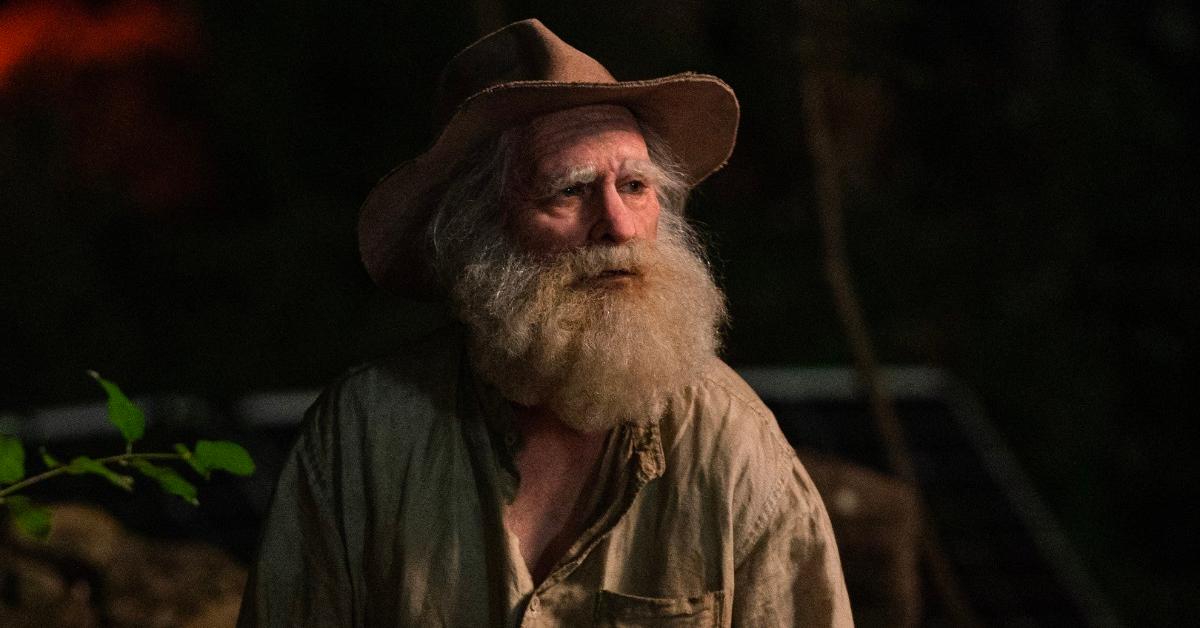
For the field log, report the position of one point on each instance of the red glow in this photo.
(68, 34)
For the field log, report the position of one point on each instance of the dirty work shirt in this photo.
(389, 513)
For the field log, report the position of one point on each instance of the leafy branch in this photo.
(204, 458)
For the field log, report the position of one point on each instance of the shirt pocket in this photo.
(618, 610)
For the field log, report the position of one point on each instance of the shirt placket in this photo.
(641, 463)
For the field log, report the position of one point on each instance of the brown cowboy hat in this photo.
(510, 77)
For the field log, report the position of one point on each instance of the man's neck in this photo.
(559, 469)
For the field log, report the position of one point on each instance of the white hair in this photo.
(542, 336)
(468, 220)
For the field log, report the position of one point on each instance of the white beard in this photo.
(596, 352)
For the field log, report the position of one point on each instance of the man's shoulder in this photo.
(722, 409)
(419, 366)
(720, 382)
(721, 440)
(411, 386)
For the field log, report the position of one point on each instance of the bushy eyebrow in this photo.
(586, 173)
(572, 175)
(643, 168)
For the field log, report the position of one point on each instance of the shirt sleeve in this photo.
(300, 576)
(792, 575)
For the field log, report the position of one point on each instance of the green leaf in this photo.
(121, 412)
(168, 479)
(12, 460)
(48, 460)
(30, 519)
(187, 456)
(82, 464)
(224, 456)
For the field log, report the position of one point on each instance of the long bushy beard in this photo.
(596, 350)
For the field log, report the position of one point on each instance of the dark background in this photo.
(179, 183)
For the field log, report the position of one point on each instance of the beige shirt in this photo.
(388, 513)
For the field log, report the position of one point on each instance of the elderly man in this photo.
(573, 453)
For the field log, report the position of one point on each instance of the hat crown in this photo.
(520, 52)
(510, 77)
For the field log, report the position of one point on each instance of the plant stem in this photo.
(830, 165)
(59, 470)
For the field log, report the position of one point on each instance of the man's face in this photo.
(595, 303)
(582, 177)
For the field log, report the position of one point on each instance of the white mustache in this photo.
(596, 261)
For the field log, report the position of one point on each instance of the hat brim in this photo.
(695, 114)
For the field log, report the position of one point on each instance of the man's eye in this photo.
(635, 186)
(571, 190)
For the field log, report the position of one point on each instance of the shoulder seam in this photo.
(784, 452)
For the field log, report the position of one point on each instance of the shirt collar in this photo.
(644, 449)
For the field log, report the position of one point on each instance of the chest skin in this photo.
(559, 469)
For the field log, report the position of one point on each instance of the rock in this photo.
(91, 569)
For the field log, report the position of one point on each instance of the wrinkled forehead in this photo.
(572, 132)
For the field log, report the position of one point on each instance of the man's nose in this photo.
(615, 221)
